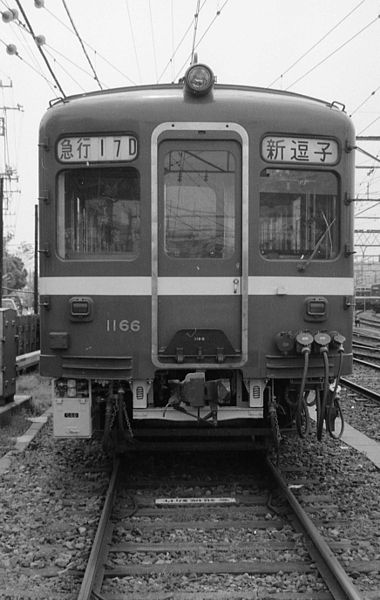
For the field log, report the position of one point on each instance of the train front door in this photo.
(199, 262)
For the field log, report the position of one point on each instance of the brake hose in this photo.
(341, 351)
(325, 392)
(306, 352)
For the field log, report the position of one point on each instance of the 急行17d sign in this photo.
(108, 148)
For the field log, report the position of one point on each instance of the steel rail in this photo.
(95, 557)
(371, 394)
(365, 363)
(332, 572)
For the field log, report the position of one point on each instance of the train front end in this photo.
(196, 269)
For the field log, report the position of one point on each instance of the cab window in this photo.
(199, 203)
(299, 215)
(99, 213)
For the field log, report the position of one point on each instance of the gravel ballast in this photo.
(53, 492)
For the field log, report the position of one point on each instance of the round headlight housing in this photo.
(199, 79)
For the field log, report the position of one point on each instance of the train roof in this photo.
(175, 87)
(164, 102)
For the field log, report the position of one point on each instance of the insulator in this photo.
(39, 3)
(40, 40)
(9, 15)
(11, 49)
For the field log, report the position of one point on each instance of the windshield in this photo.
(99, 212)
(199, 195)
(298, 214)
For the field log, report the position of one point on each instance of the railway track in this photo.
(204, 526)
(360, 389)
(372, 392)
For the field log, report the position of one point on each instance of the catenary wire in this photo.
(172, 33)
(133, 39)
(217, 14)
(368, 126)
(39, 48)
(90, 47)
(69, 75)
(153, 40)
(196, 16)
(82, 44)
(334, 52)
(170, 61)
(365, 101)
(82, 69)
(39, 72)
(316, 44)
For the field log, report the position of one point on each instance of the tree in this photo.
(14, 272)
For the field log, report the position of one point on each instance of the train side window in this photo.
(99, 213)
(199, 203)
(299, 215)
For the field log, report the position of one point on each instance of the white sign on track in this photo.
(193, 501)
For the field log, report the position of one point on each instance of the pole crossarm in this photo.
(369, 237)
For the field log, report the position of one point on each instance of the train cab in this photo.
(196, 258)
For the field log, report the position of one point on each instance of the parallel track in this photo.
(363, 391)
(170, 530)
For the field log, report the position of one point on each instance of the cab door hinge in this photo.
(45, 250)
(348, 250)
(44, 302)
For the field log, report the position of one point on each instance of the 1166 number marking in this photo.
(113, 325)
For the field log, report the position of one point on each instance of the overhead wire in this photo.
(196, 16)
(82, 44)
(334, 52)
(316, 44)
(170, 61)
(133, 40)
(153, 41)
(55, 51)
(69, 75)
(217, 14)
(369, 125)
(90, 47)
(24, 29)
(172, 34)
(365, 101)
(39, 72)
(20, 29)
(39, 48)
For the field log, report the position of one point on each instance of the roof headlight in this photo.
(199, 79)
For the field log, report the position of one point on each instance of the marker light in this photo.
(199, 79)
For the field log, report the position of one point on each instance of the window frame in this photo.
(307, 254)
(61, 226)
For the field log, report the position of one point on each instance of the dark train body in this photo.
(192, 246)
(375, 293)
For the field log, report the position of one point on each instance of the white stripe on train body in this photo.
(195, 286)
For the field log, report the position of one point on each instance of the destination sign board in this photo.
(286, 149)
(105, 148)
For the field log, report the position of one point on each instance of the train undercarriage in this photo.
(194, 405)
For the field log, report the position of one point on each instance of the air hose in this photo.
(320, 417)
(306, 353)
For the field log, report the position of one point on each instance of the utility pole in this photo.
(1, 238)
(8, 173)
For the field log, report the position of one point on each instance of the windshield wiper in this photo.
(302, 266)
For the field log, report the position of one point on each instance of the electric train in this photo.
(196, 272)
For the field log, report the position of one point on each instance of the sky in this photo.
(322, 48)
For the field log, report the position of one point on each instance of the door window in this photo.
(199, 203)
